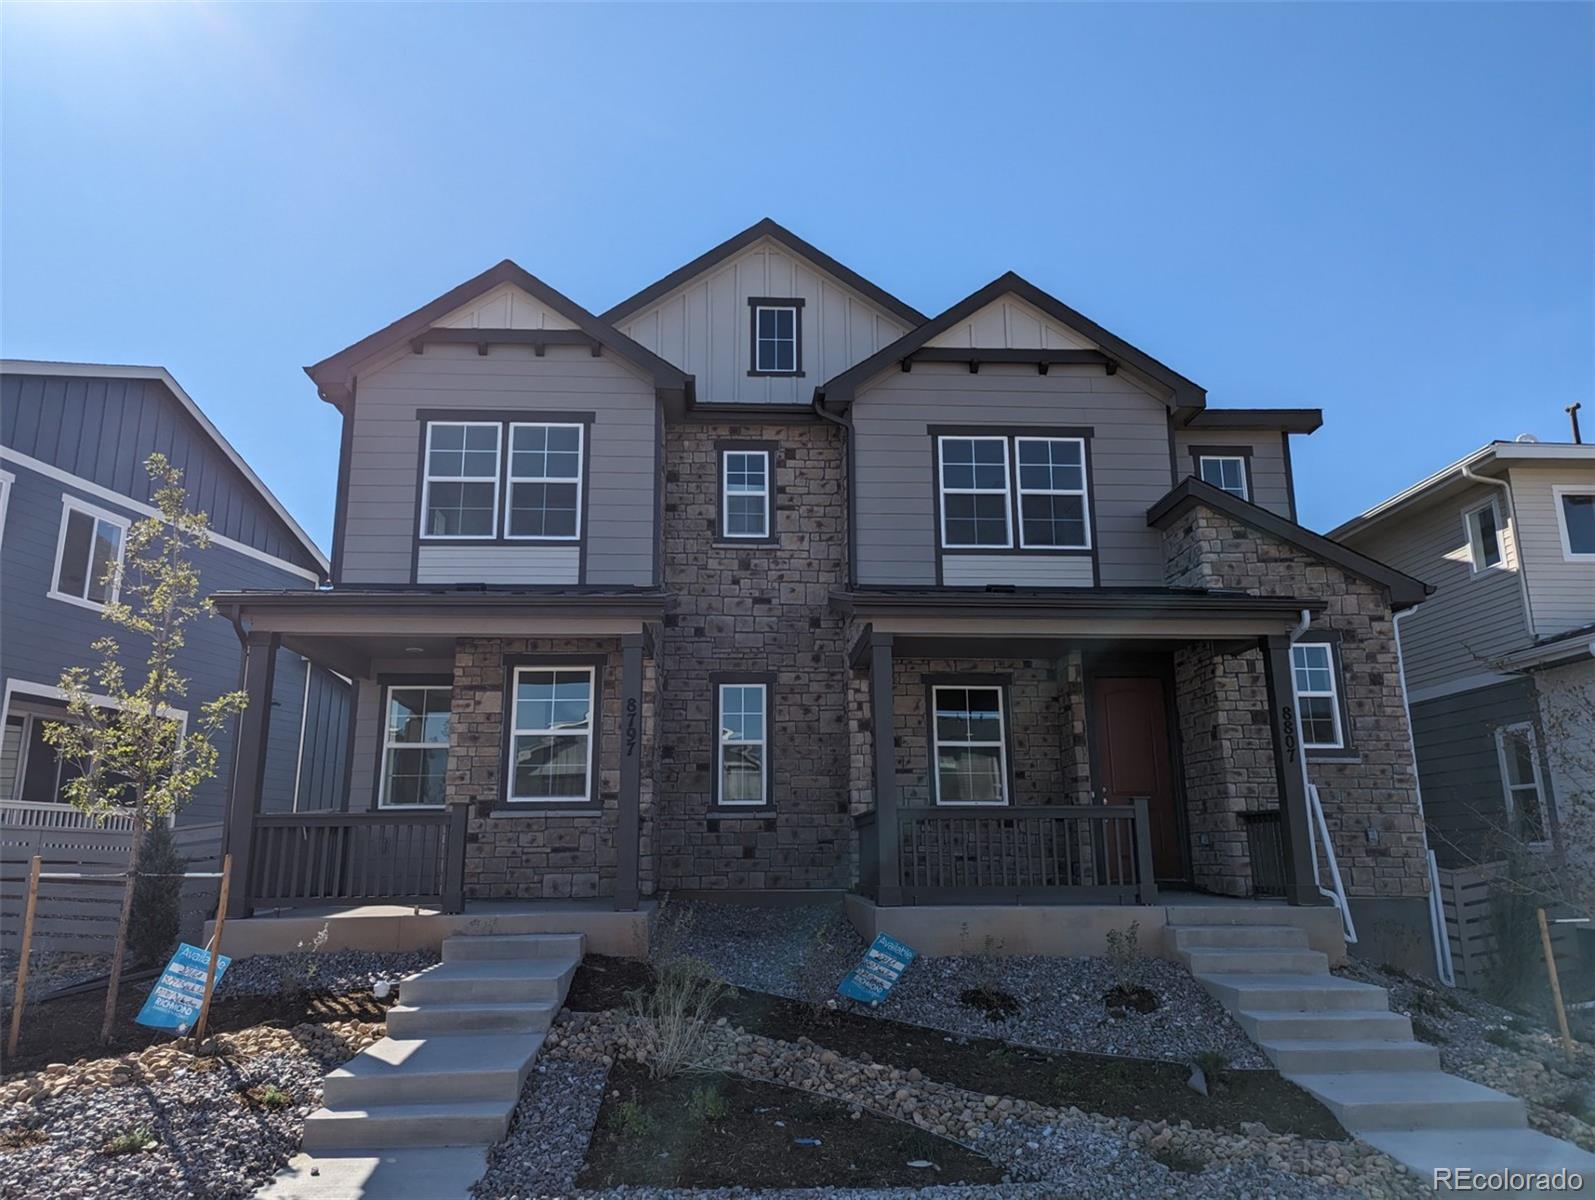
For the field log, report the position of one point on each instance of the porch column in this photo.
(889, 888)
(628, 831)
(249, 765)
(1294, 818)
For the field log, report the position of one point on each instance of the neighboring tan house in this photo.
(764, 584)
(1500, 662)
(73, 441)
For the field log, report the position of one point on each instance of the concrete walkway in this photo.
(1338, 1039)
(413, 1115)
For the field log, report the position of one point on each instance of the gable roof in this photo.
(765, 229)
(19, 366)
(333, 375)
(1405, 591)
(1184, 395)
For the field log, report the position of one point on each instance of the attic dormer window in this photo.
(777, 336)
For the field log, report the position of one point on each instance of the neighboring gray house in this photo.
(1500, 662)
(73, 441)
(764, 583)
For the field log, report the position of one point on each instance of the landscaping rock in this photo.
(338, 971)
(547, 1142)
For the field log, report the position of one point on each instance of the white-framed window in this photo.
(745, 493)
(1523, 791)
(415, 746)
(6, 480)
(1575, 516)
(551, 735)
(776, 339)
(974, 492)
(1317, 695)
(742, 760)
(1484, 536)
(970, 744)
(459, 495)
(545, 482)
(1053, 506)
(1225, 471)
(88, 554)
(31, 772)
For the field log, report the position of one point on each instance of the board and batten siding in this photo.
(1269, 475)
(897, 506)
(1472, 619)
(381, 525)
(703, 327)
(1561, 593)
(1010, 324)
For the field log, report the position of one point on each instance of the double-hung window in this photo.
(415, 746)
(1317, 695)
(742, 760)
(1575, 512)
(974, 492)
(545, 482)
(551, 734)
(1484, 536)
(745, 493)
(1518, 753)
(970, 747)
(777, 337)
(88, 554)
(1052, 494)
(1225, 471)
(459, 496)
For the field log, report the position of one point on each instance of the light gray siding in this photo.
(896, 508)
(1267, 464)
(1561, 591)
(1023, 570)
(380, 513)
(498, 564)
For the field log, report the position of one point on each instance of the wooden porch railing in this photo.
(312, 858)
(1055, 853)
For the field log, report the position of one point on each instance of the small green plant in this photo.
(268, 1096)
(814, 974)
(1212, 1064)
(130, 1141)
(1003, 1056)
(630, 1119)
(153, 923)
(1426, 1032)
(1124, 955)
(707, 1104)
(296, 971)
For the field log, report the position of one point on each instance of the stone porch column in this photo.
(1294, 818)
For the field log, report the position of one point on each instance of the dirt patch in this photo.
(996, 1004)
(714, 1130)
(601, 982)
(1122, 1000)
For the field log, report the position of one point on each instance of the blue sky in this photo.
(1387, 211)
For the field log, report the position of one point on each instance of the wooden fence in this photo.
(80, 917)
(1465, 895)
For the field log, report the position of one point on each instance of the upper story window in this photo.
(742, 763)
(415, 747)
(974, 492)
(459, 496)
(1318, 695)
(551, 734)
(970, 745)
(1521, 789)
(1575, 510)
(745, 493)
(6, 480)
(1226, 471)
(88, 554)
(1484, 536)
(1052, 494)
(545, 479)
(777, 332)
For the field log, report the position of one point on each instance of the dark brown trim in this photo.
(1244, 453)
(771, 450)
(1102, 603)
(765, 228)
(505, 416)
(717, 808)
(384, 683)
(353, 726)
(538, 339)
(1003, 682)
(1286, 420)
(796, 305)
(1405, 591)
(454, 600)
(1290, 477)
(594, 803)
(1347, 750)
(750, 414)
(1040, 359)
(340, 512)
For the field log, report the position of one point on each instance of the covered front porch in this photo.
(1086, 750)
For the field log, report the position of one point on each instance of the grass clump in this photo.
(631, 1120)
(707, 1104)
(130, 1141)
(268, 1096)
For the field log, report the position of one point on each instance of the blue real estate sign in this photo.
(174, 1001)
(883, 965)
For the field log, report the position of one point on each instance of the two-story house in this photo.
(74, 438)
(763, 583)
(1500, 662)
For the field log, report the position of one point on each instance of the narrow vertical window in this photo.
(742, 761)
(545, 481)
(745, 493)
(1317, 695)
(415, 747)
(6, 480)
(1522, 791)
(1225, 471)
(551, 736)
(1575, 509)
(974, 492)
(970, 745)
(777, 332)
(1052, 494)
(88, 554)
(1484, 536)
(459, 496)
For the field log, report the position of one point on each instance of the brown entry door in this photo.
(1131, 734)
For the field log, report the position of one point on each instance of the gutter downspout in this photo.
(845, 424)
(1517, 549)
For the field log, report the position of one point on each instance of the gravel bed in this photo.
(208, 1141)
(547, 1141)
(48, 970)
(335, 971)
(805, 951)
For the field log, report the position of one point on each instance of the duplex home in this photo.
(763, 583)
(1500, 662)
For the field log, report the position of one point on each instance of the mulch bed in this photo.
(668, 1133)
(67, 1029)
(1111, 1085)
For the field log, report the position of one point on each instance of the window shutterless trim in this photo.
(1084, 492)
(428, 479)
(7, 481)
(69, 505)
(597, 664)
(1331, 639)
(1525, 728)
(768, 449)
(385, 688)
(1243, 453)
(718, 680)
(1006, 491)
(755, 303)
(1471, 530)
(511, 479)
(1002, 685)
(1558, 492)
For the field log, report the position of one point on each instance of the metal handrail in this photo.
(1336, 894)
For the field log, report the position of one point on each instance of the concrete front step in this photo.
(436, 1173)
(1251, 913)
(1330, 1056)
(1272, 1025)
(1293, 993)
(1268, 937)
(490, 981)
(437, 1123)
(405, 1021)
(473, 948)
(1254, 960)
(1409, 1100)
(1484, 1150)
(414, 1071)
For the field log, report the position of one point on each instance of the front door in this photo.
(1130, 729)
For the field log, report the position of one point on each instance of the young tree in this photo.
(131, 755)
